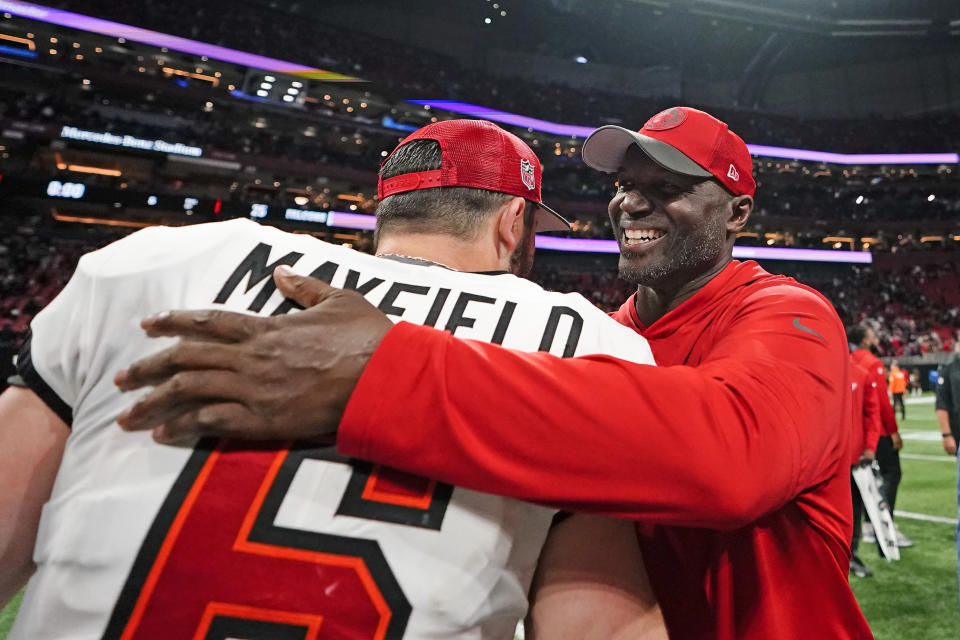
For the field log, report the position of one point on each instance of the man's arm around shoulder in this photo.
(603, 434)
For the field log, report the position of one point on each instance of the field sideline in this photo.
(916, 597)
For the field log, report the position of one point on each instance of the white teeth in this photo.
(641, 235)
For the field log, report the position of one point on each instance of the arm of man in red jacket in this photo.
(717, 445)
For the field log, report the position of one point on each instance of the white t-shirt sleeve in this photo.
(72, 338)
(61, 340)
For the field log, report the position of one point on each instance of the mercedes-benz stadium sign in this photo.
(131, 142)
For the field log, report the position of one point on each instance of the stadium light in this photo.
(79, 168)
(860, 199)
(931, 198)
(580, 60)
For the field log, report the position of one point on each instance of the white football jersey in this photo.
(277, 540)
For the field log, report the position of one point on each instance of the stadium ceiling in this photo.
(832, 18)
(717, 38)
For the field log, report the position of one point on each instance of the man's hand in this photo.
(868, 456)
(950, 445)
(240, 376)
(896, 441)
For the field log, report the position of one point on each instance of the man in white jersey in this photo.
(224, 539)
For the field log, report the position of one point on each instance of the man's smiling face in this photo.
(671, 227)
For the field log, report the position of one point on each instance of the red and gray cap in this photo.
(682, 140)
(481, 155)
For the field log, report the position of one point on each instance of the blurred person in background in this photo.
(948, 417)
(898, 387)
(916, 384)
(863, 340)
(867, 429)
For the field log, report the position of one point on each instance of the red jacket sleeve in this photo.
(872, 425)
(717, 445)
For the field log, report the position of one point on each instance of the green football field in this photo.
(917, 597)
(913, 598)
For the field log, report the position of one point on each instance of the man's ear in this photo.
(740, 209)
(509, 224)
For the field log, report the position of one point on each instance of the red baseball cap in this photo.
(478, 154)
(683, 140)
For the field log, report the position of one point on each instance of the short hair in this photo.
(855, 334)
(455, 211)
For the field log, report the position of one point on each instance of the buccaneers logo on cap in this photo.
(666, 119)
(527, 174)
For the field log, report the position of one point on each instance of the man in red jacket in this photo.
(863, 338)
(867, 429)
(732, 456)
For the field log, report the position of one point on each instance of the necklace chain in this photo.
(416, 258)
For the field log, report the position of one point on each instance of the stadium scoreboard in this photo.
(117, 201)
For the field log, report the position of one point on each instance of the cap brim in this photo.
(546, 219)
(605, 148)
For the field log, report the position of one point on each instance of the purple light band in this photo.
(802, 255)
(157, 39)
(351, 220)
(574, 131)
(581, 245)
(586, 245)
(853, 158)
(590, 245)
(486, 113)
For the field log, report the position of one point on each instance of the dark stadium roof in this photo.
(719, 37)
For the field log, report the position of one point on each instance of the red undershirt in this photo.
(732, 455)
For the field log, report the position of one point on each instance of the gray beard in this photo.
(689, 254)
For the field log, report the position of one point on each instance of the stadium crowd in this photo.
(840, 200)
(221, 129)
(915, 309)
(34, 266)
